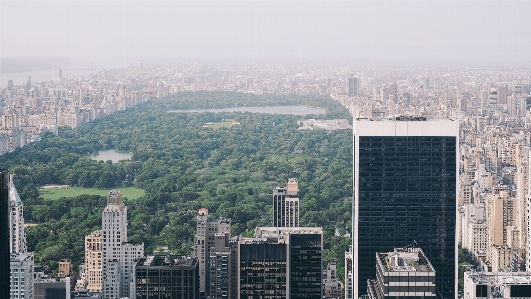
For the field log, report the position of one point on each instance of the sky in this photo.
(403, 32)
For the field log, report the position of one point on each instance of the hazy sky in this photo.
(432, 32)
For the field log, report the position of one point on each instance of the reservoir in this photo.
(294, 110)
(112, 155)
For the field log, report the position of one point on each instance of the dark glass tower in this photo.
(4, 234)
(281, 263)
(405, 192)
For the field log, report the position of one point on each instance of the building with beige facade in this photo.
(499, 217)
(93, 261)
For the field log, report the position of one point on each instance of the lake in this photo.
(294, 110)
(112, 155)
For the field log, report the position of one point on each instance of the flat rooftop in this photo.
(405, 127)
(405, 260)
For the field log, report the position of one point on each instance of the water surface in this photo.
(112, 155)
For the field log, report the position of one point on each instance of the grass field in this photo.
(219, 124)
(55, 193)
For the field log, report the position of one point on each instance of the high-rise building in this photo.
(393, 92)
(22, 275)
(281, 262)
(352, 86)
(16, 221)
(4, 234)
(405, 185)
(21, 270)
(206, 230)
(403, 273)
(168, 277)
(93, 261)
(286, 205)
(10, 85)
(118, 256)
(221, 265)
(499, 217)
(349, 274)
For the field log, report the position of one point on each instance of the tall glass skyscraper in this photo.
(405, 191)
(4, 234)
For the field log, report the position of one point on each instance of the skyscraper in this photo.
(405, 191)
(4, 234)
(16, 221)
(204, 240)
(168, 277)
(352, 86)
(286, 205)
(21, 269)
(281, 262)
(118, 255)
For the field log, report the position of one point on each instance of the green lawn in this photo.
(219, 124)
(55, 193)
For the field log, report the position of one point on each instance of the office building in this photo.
(4, 234)
(21, 275)
(118, 257)
(93, 261)
(52, 288)
(352, 86)
(490, 285)
(405, 184)
(286, 205)
(206, 230)
(168, 277)
(281, 262)
(403, 273)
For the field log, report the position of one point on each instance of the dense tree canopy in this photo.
(183, 166)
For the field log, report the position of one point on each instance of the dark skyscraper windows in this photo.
(405, 191)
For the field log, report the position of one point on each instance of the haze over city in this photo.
(114, 33)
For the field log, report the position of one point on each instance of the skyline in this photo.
(486, 33)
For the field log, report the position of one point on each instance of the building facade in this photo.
(204, 240)
(166, 277)
(93, 261)
(489, 285)
(286, 205)
(403, 273)
(405, 178)
(4, 234)
(118, 256)
(16, 221)
(21, 265)
(281, 263)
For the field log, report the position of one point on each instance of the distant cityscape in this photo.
(441, 170)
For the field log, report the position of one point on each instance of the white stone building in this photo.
(21, 268)
(118, 255)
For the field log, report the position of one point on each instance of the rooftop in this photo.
(500, 278)
(408, 259)
(167, 260)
